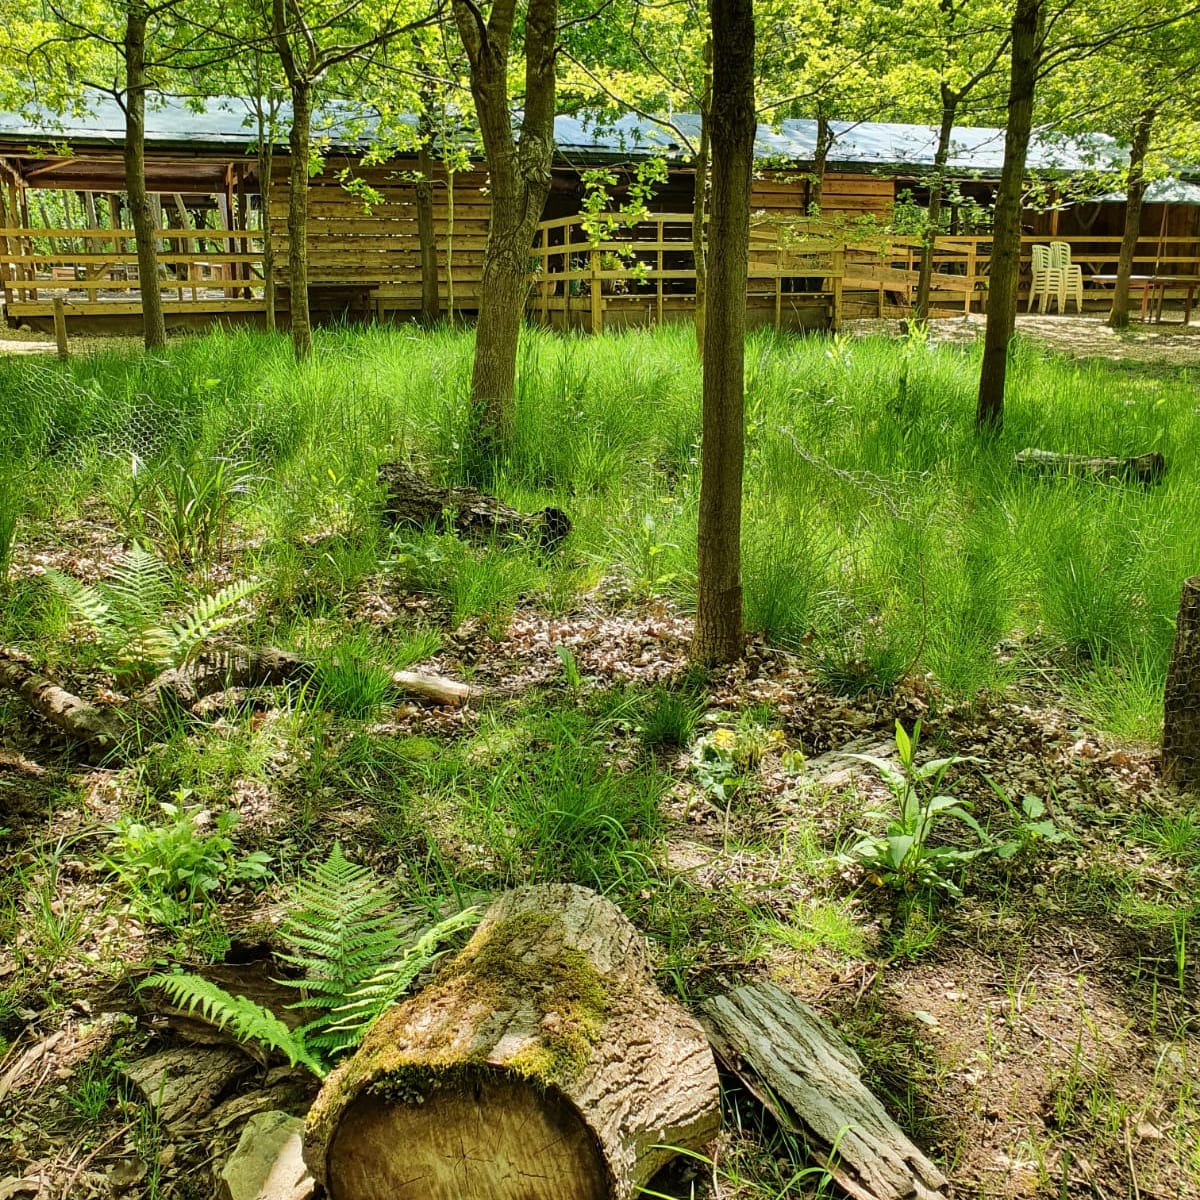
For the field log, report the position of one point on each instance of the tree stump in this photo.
(414, 500)
(1141, 468)
(1181, 703)
(542, 1064)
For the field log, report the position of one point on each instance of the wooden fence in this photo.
(222, 275)
(802, 275)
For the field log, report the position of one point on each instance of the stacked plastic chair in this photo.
(1069, 276)
(1047, 279)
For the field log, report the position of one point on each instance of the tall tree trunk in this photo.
(154, 328)
(1006, 237)
(299, 144)
(431, 305)
(718, 637)
(1135, 193)
(937, 185)
(520, 182)
(700, 202)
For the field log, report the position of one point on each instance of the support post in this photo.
(60, 328)
(597, 298)
(1181, 703)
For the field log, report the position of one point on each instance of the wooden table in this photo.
(1154, 291)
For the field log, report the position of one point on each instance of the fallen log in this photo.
(1181, 700)
(413, 500)
(99, 728)
(1141, 468)
(182, 688)
(542, 1064)
(795, 1064)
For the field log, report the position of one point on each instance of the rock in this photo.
(839, 768)
(267, 1164)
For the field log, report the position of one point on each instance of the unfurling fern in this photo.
(341, 933)
(126, 614)
(248, 1021)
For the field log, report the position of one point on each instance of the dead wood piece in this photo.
(414, 500)
(793, 1061)
(1181, 700)
(99, 728)
(542, 1064)
(184, 1084)
(1141, 468)
(220, 669)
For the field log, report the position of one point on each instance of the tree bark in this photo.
(1006, 237)
(431, 305)
(519, 174)
(299, 140)
(542, 1064)
(719, 631)
(825, 139)
(790, 1058)
(937, 185)
(1181, 705)
(154, 328)
(265, 121)
(700, 201)
(1135, 193)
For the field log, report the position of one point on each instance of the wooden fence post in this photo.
(1181, 705)
(597, 299)
(60, 328)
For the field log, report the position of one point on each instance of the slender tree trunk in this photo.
(426, 235)
(718, 637)
(1006, 238)
(266, 163)
(1118, 314)
(154, 329)
(700, 204)
(825, 139)
(937, 185)
(299, 144)
(520, 182)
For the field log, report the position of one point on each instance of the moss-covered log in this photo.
(414, 500)
(542, 1064)
(1140, 468)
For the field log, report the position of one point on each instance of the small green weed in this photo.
(175, 870)
(902, 857)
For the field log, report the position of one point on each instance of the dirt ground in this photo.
(1170, 343)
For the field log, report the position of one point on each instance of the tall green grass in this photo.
(880, 535)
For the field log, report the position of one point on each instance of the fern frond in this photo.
(247, 1021)
(349, 1022)
(85, 602)
(138, 589)
(206, 618)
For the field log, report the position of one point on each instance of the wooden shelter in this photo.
(62, 232)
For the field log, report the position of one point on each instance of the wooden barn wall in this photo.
(354, 247)
(843, 194)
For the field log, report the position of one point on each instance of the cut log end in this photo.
(488, 1134)
(542, 1064)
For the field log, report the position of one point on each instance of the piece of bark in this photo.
(793, 1061)
(100, 729)
(1141, 468)
(183, 1085)
(414, 500)
(542, 1064)
(1181, 699)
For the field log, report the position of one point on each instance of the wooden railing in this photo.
(581, 279)
(224, 276)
